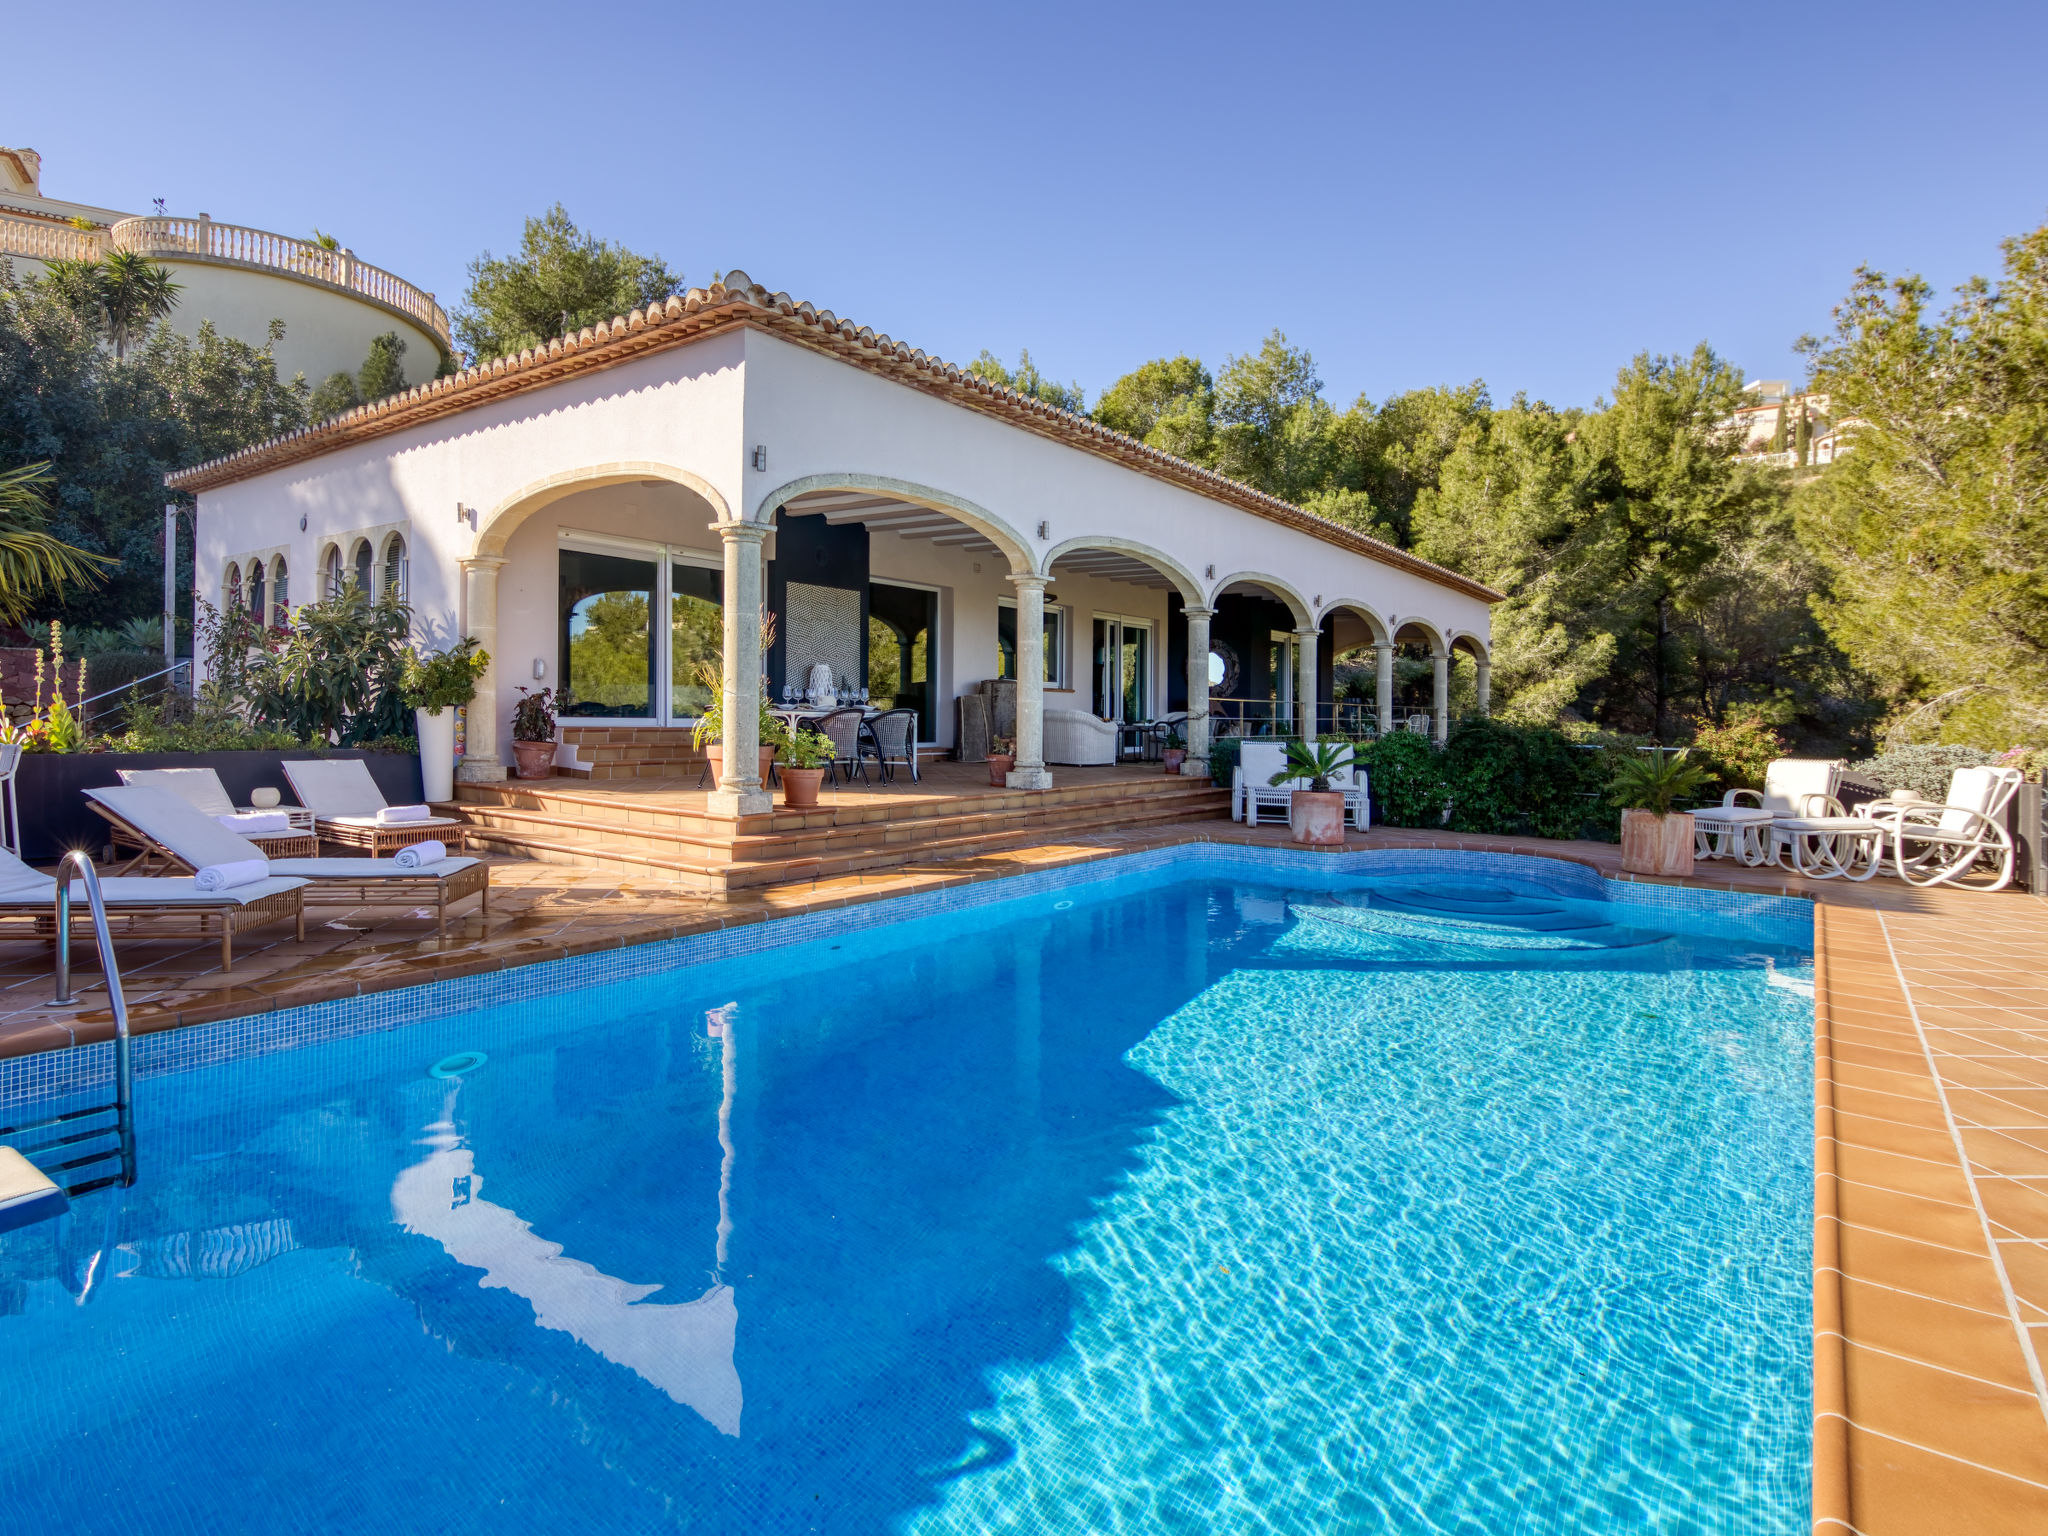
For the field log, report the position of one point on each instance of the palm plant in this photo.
(1655, 781)
(135, 293)
(1316, 761)
(33, 561)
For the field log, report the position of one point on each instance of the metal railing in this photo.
(77, 1128)
(180, 680)
(232, 244)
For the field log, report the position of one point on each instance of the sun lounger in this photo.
(203, 788)
(351, 810)
(24, 892)
(192, 840)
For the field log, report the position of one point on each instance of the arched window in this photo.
(232, 587)
(364, 560)
(331, 571)
(257, 593)
(394, 582)
(280, 591)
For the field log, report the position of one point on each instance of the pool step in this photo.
(1409, 922)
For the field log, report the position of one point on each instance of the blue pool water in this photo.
(1174, 1202)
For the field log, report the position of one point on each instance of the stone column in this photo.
(1029, 772)
(1197, 763)
(1305, 681)
(481, 763)
(1441, 662)
(1384, 700)
(742, 793)
(1482, 676)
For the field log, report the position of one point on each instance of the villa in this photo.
(736, 458)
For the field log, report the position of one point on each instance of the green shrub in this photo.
(209, 723)
(1737, 753)
(1924, 770)
(1525, 781)
(1406, 775)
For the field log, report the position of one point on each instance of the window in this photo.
(365, 558)
(257, 593)
(1055, 642)
(607, 640)
(394, 582)
(331, 569)
(231, 589)
(1121, 653)
(696, 636)
(902, 623)
(280, 591)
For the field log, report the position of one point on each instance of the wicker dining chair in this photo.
(893, 734)
(842, 727)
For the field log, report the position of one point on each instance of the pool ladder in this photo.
(71, 1134)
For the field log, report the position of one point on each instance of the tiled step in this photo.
(698, 857)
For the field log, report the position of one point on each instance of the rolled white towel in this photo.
(416, 854)
(225, 877)
(256, 821)
(398, 815)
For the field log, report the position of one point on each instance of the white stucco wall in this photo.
(693, 415)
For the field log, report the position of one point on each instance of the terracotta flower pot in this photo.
(800, 786)
(1174, 756)
(533, 759)
(999, 768)
(716, 755)
(1316, 819)
(1656, 845)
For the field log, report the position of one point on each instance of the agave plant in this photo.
(1316, 761)
(1655, 781)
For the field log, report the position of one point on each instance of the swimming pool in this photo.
(1206, 1192)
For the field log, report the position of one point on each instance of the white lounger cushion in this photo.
(335, 787)
(199, 787)
(380, 822)
(366, 869)
(200, 840)
(21, 887)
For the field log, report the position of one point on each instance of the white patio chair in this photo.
(1940, 844)
(202, 789)
(1793, 786)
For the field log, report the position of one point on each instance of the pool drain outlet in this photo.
(458, 1064)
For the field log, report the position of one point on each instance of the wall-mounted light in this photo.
(466, 515)
(540, 669)
(1209, 572)
(302, 522)
(1045, 530)
(977, 567)
(760, 456)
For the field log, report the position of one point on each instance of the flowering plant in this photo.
(56, 726)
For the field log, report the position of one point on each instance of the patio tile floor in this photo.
(1931, 1118)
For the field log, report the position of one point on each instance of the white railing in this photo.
(42, 241)
(235, 244)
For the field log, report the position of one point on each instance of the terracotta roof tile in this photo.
(738, 301)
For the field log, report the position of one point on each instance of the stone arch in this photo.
(1473, 646)
(1431, 635)
(496, 527)
(1183, 579)
(1304, 613)
(1015, 547)
(1374, 621)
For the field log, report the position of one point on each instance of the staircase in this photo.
(575, 821)
(631, 752)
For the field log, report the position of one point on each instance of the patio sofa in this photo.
(1074, 736)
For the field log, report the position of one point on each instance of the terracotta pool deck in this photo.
(1931, 1120)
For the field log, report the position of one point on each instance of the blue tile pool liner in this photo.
(56, 1075)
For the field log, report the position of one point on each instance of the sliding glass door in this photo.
(1122, 650)
(613, 661)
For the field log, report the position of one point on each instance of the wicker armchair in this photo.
(893, 735)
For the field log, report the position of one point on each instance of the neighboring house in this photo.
(240, 279)
(1779, 425)
(610, 511)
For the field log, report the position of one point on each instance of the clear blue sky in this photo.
(1416, 193)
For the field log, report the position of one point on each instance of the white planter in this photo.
(437, 753)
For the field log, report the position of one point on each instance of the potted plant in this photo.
(435, 687)
(533, 734)
(1002, 757)
(709, 732)
(803, 767)
(1173, 749)
(1315, 815)
(1655, 839)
